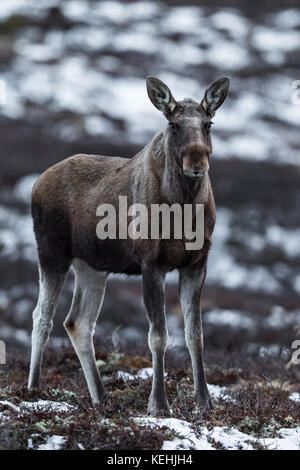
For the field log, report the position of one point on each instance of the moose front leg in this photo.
(153, 288)
(191, 282)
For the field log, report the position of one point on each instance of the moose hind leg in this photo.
(81, 320)
(153, 287)
(51, 285)
(191, 282)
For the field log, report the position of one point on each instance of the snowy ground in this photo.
(228, 438)
(256, 402)
(92, 70)
(75, 80)
(185, 435)
(226, 270)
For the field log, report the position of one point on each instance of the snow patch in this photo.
(23, 188)
(188, 438)
(145, 373)
(229, 438)
(53, 443)
(295, 396)
(233, 318)
(40, 405)
(47, 405)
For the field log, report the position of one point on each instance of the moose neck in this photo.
(179, 188)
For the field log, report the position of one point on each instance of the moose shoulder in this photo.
(173, 170)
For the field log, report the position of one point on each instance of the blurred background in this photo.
(73, 73)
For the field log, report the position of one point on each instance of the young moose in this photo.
(172, 168)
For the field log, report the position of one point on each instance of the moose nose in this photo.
(198, 172)
(195, 160)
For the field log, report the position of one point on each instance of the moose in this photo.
(171, 168)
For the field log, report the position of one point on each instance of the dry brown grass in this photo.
(259, 405)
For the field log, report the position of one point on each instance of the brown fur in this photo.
(172, 168)
(65, 199)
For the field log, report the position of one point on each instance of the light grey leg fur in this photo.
(81, 320)
(191, 282)
(153, 287)
(51, 285)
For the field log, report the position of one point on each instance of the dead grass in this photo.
(259, 404)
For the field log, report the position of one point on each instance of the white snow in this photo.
(16, 230)
(216, 391)
(280, 317)
(53, 443)
(184, 19)
(51, 48)
(229, 438)
(23, 187)
(47, 405)
(273, 350)
(233, 439)
(220, 39)
(30, 441)
(289, 440)
(188, 438)
(96, 125)
(295, 396)
(287, 18)
(43, 405)
(267, 39)
(145, 373)
(232, 22)
(224, 270)
(227, 55)
(233, 318)
(122, 375)
(8, 404)
(286, 239)
(136, 41)
(3, 417)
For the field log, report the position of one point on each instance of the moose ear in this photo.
(215, 95)
(160, 95)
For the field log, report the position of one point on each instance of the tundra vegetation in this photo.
(253, 403)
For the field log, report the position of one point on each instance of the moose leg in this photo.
(51, 285)
(153, 288)
(191, 282)
(81, 320)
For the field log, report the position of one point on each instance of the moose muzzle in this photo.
(195, 160)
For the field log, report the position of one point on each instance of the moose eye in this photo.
(208, 125)
(174, 126)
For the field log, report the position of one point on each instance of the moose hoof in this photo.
(158, 408)
(204, 401)
(102, 401)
